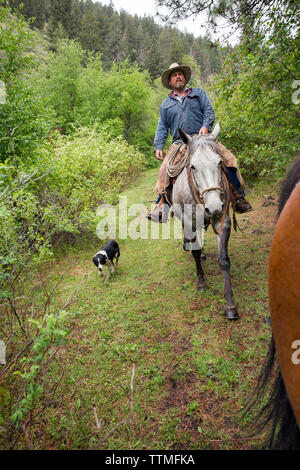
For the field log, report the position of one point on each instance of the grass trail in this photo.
(193, 368)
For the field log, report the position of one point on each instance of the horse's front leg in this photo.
(193, 241)
(200, 274)
(230, 308)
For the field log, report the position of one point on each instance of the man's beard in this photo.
(179, 85)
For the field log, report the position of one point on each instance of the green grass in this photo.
(193, 369)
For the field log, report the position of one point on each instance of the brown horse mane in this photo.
(285, 433)
(289, 183)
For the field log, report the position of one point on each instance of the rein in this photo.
(199, 199)
(173, 168)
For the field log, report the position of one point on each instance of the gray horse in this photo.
(206, 174)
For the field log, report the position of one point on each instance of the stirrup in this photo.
(240, 203)
(160, 214)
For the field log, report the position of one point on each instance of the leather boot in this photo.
(160, 212)
(241, 205)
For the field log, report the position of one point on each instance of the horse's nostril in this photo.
(192, 167)
(207, 211)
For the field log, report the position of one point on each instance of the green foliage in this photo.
(15, 39)
(88, 168)
(52, 331)
(38, 182)
(82, 94)
(59, 14)
(124, 94)
(51, 184)
(60, 81)
(253, 100)
(24, 120)
(195, 80)
(154, 61)
(119, 36)
(4, 402)
(83, 170)
(25, 231)
(31, 9)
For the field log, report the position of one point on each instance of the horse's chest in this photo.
(181, 191)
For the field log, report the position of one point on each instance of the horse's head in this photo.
(205, 163)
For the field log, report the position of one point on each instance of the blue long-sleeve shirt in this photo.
(192, 113)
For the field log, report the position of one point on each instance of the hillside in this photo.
(120, 35)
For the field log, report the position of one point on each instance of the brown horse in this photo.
(282, 365)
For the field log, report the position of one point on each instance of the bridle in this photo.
(199, 198)
(174, 169)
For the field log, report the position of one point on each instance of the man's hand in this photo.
(159, 154)
(203, 130)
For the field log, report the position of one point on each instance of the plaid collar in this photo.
(187, 91)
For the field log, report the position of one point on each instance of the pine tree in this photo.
(165, 40)
(75, 20)
(60, 12)
(120, 35)
(30, 9)
(89, 35)
(176, 52)
(154, 61)
(112, 52)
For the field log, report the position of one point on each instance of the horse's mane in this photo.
(288, 184)
(285, 433)
(202, 141)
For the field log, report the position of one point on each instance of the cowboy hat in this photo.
(185, 69)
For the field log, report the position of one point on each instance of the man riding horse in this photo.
(188, 109)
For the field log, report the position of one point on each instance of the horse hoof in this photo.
(231, 313)
(201, 286)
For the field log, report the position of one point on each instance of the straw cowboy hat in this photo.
(185, 69)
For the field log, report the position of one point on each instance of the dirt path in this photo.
(193, 368)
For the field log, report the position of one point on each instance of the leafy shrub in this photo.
(82, 94)
(87, 168)
(58, 78)
(24, 118)
(51, 330)
(253, 101)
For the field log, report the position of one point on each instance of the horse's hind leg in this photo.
(230, 309)
(200, 274)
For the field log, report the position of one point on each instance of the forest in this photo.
(120, 36)
(80, 93)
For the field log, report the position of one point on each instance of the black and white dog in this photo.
(105, 257)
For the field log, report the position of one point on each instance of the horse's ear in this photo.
(185, 137)
(216, 131)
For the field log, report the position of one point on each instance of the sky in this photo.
(141, 7)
